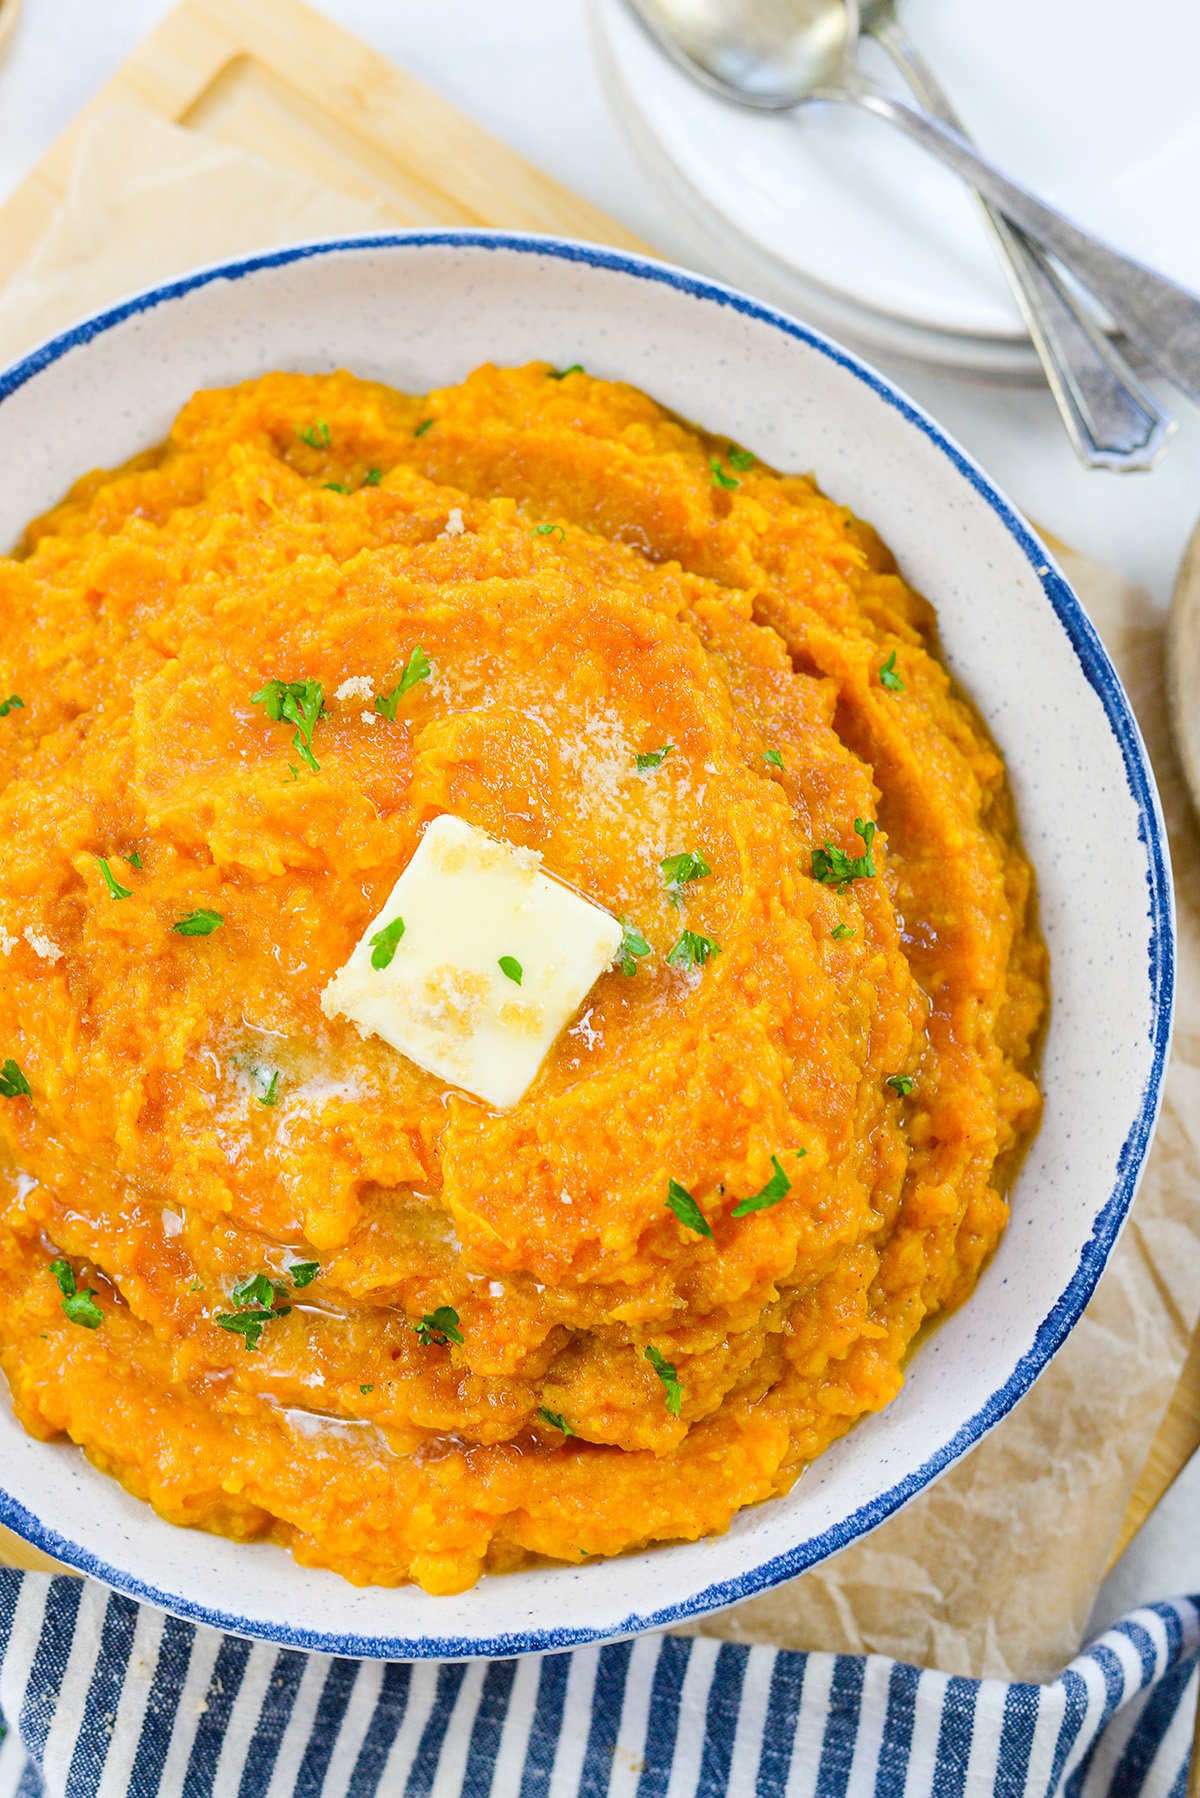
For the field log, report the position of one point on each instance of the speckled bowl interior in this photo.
(422, 310)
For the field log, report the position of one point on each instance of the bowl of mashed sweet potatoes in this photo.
(664, 597)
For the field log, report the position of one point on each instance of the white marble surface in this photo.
(524, 69)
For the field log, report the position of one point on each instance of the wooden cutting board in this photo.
(275, 78)
(282, 81)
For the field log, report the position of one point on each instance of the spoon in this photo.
(1111, 417)
(774, 55)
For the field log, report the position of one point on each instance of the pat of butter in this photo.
(467, 901)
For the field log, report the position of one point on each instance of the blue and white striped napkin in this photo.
(103, 1699)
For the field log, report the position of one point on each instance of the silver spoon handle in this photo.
(1111, 417)
(1162, 318)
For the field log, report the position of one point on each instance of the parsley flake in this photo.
(679, 869)
(719, 477)
(888, 676)
(555, 1419)
(134, 860)
(739, 458)
(667, 1374)
(372, 477)
(80, 1307)
(417, 668)
(385, 943)
(653, 758)
(271, 1096)
(548, 530)
(298, 702)
(370, 1388)
(692, 951)
(842, 932)
(901, 1083)
(422, 427)
(633, 947)
(437, 1329)
(560, 374)
(13, 1084)
(834, 868)
(257, 1299)
(681, 1202)
(115, 889)
(303, 1273)
(248, 1324)
(14, 703)
(201, 922)
(256, 1289)
(773, 756)
(777, 1187)
(316, 436)
(335, 487)
(511, 968)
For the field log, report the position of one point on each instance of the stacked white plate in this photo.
(837, 216)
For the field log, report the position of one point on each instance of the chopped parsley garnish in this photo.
(271, 1096)
(416, 669)
(842, 932)
(654, 758)
(834, 868)
(901, 1083)
(256, 1298)
(511, 968)
(14, 703)
(115, 889)
(335, 487)
(134, 860)
(80, 1307)
(555, 1419)
(667, 1374)
(439, 1328)
(303, 1273)
(369, 1388)
(692, 951)
(774, 757)
(560, 374)
(385, 943)
(633, 947)
(422, 427)
(679, 869)
(776, 1188)
(720, 478)
(372, 477)
(316, 436)
(256, 1289)
(681, 1202)
(739, 458)
(888, 676)
(248, 1324)
(298, 702)
(13, 1084)
(199, 923)
(548, 530)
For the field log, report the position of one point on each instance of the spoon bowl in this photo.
(771, 54)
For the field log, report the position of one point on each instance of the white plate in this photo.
(421, 310)
(839, 214)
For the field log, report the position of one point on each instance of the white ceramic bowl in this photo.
(421, 310)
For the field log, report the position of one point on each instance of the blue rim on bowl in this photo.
(1057, 1323)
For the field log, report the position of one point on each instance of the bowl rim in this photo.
(1098, 670)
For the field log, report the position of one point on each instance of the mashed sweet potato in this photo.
(275, 1278)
